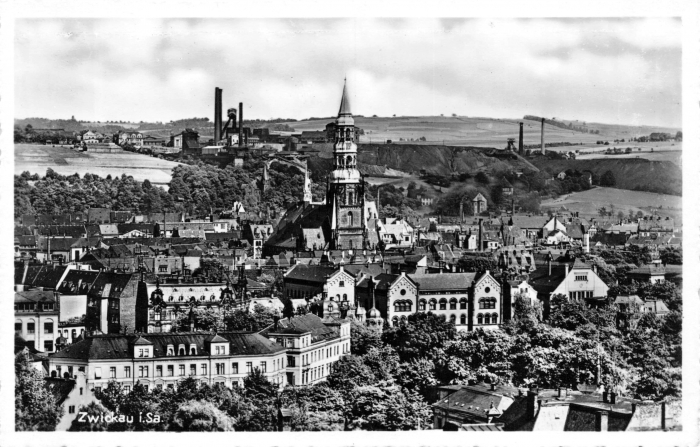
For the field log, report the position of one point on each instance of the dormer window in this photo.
(170, 351)
(181, 350)
(193, 349)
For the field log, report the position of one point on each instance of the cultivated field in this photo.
(67, 161)
(464, 131)
(589, 202)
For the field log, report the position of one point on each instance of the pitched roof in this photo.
(444, 281)
(116, 346)
(311, 273)
(345, 102)
(60, 388)
(306, 323)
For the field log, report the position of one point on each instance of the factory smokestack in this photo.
(240, 124)
(542, 136)
(217, 115)
(520, 141)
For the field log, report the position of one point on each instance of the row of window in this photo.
(316, 373)
(48, 327)
(480, 319)
(33, 307)
(581, 294)
(219, 368)
(433, 304)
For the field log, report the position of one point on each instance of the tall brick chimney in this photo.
(240, 124)
(542, 136)
(520, 140)
(217, 115)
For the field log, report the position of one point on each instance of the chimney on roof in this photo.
(532, 403)
(601, 421)
(240, 124)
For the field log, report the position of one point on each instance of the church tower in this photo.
(308, 197)
(346, 193)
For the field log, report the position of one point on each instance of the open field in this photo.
(481, 132)
(66, 161)
(588, 202)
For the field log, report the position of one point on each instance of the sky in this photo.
(619, 71)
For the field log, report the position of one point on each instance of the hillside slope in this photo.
(664, 177)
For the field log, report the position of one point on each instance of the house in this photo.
(36, 318)
(479, 204)
(576, 280)
(506, 187)
(307, 281)
(653, 273)
(471, 404)
(133, 138)
(112, 304)
(568, 410)
(150, 140)
(160, 360)
(166, 301)
(71, 393)
(313, 345)
(187, 141)
(470, 300)
(395, 232)
(257, 235)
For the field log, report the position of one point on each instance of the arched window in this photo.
(463, 319)
(350, 198)
(345, 297)
(351, 219)
(395, 321)
(480, 318)
(421, 305)
(404, 320)
(463, 303)
(453, 303)
(494, 318)
(487, 318)
(433, 304)
(443, 304)
(453, 318)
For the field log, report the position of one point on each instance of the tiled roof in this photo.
(35, 296)
(60, 388)
(77, 282)
(649, 269)
(312, 273)
(117, 346)
(306, 323)
(444, 281)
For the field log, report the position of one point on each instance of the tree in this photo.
(36, 408)
(420, 336)
(385, 407)
(481, 178)
(608, 179)
(363, 338)
(201, 416)
(350, 372)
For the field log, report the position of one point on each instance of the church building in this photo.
(339, 222)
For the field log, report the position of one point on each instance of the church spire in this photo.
(345, 101)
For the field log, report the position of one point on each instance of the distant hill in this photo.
(478, 131)
(663, 177)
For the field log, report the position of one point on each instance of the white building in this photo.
(36, 318)
(161, 360)
(312, 346)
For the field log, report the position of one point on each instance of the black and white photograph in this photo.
(266, 220)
